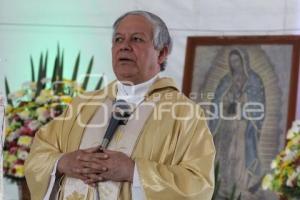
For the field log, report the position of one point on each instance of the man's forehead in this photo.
(131, 33)
(134, 24)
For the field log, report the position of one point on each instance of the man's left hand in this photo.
(118, 167)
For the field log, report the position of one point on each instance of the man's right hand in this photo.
(72, 164)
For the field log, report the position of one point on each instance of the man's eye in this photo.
(138, 39)
(118, 40)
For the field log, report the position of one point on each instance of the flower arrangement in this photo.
(36, 104)
(284, 177)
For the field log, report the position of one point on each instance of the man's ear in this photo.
(163, 55)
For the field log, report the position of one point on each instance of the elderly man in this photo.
(164, 151)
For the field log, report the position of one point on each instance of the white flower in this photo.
(24, 114)
(267, 182)
(12, 136)
(290, 155)
(41, 100)
(34, 125)
(295, 130)
(29, 85)
(17, 94)
(43, 114)
(290, 134)
(46, 93)
(22, 154)
(291, 179)
(273, 164)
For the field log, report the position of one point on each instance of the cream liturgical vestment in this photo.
(170, 143)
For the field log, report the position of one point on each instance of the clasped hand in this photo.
(91, 165)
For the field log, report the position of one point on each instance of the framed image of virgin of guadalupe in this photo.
(247, 87)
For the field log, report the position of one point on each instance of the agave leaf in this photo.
(40, 76)
(87, 75)
(99, 84)
(76, 67)
(7, 91)
(45, 65)
(41, 68)
(55, 69)
(61, 67)
(32, 70)
(45, 69)
(59, 86)
(58, 53)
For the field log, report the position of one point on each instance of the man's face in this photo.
(134, 58)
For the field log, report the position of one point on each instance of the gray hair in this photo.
(161, 35)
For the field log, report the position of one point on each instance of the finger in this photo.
(92, 149)
(107, 175)
(95, 166)
(94, 179)
(92, 157)
(102, 156)
(79, 176)
(110, 151)
(86, 170)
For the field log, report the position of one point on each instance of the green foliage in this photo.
(7, 91)
(57, 73)
(41, 74)
(88, 73)
(32, 70)
(76, 67)
(99, 84)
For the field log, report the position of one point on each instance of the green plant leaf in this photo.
(45, 69)
(58, 52)
(7, 91)
(61, 67)
(45, 65)
(55, 69)
(76, 67)
(32, 70)
(99, 84)
(87, 75)
(41, 67)
(57, 65)
(40, 76)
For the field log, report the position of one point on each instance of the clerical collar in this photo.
(134, 93)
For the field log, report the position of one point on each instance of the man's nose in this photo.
(126, 46)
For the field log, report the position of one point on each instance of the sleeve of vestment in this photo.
(44, 153)
(192, 178)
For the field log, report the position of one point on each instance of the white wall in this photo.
(31, 26)
(86, 25)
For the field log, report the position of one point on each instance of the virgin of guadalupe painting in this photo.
(237, 136)
(246, 110)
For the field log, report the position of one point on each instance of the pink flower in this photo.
(26, 131)
(34, 125)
